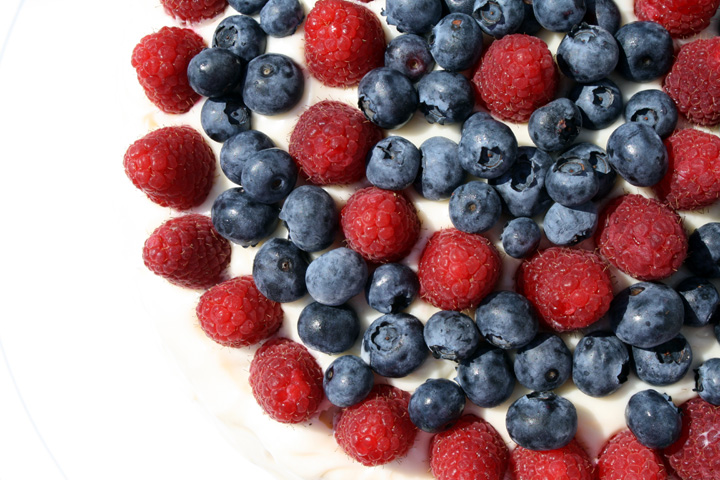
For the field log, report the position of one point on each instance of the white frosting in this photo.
(218, 375)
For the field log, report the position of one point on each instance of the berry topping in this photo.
(696, 454)
(273, 84)
(681, 18)
(624, 458)
(348, 380)
(336, 276)
(391, 288)
(241, 219)
(451, 335)
(194, 11)
(387, 98)
(543, 364)
(653, 418)
(601, 364)
(328, 329)
(487, 376)
(436, 404)
(541, 421)
(394, 346)
(570, 462)
(279, 270)
(311, 218)
(506, 319)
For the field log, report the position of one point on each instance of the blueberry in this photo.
(653, 419)
(597, 158)
(241, 219)
(224, 117)
(646, 314)
(456, 42)
(269, 175)
(587, 53)
(488, 148)
(600, 103)
(440, 170)
(520, 237)
(279, 270)
(529, 25)
(567, 226)
(703, 258)
(214, 72)
(413, 16)
(506, 319)
(273, 84)
(541, 421)
(707, 381)
(601, 364)
(637, 152)
(336, 276)
(248, 7)
(700, 299)
(445, 97)
(646, 51)
(571, 181)
(498, 18)
(237, 149)
(311, 218)
(410, 55)
(604, 13)
(328, 329)
(241, 35)
(451, 335)
(559, 15)
(654, 108)
(347, 381)
(487, 377)
(522, 188)
(393, 345)
(555, 125)
(391, 288)
(387, 98)
(543, 364)
(436, 405)
(664, 364)
(461, 6)
(280, 18)
(393, 163)
(475, 207)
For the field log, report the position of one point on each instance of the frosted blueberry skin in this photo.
(393, 163)
(587, 53)
(638, 154)
(521, 237)
(445, 97)
(336, 276)
(214, 72)
(506, 319)
(498, 18)
(601, 364)
(328, 329)
(703, 257)
(522, 187)
(413, 16)
(241, 219)
(280, 18)
(597, 158)
(488, 148)
(646, 51)
(462, 6)
(436, 404)
(541, 421)
(410, 55)
(653, 418)
(474, 207)
(391, 288)
(274, 84)
(311, 218)
(654, 108)
(604, 13)
(559, 15)
(279, 270)
(393, 345)
(664, 364)
(248, 7)
(567, 226)
(451, 335)
(543, 364)
(347, 381)
(269, 175)
(242, 35)
(487, 377)
(556, 125)
(224, 117)
(387, 98)
(700, 298)
(707, 381)
(456, 42)
(440, 171)
(237, 149)
(600, 103)
(571, 181)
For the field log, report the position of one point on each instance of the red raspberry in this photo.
(471, 450)
(642, 237)
(377, 430)
(624, 458)
(330, 142)
(515, 76)
(188, 251)
(161, 60)
(682, 18)
(343, 41)
(193, 11)
(380, 225)
(570, 462)
(174, 166)
(694, 81)
(457, 269)
(570, 288)
(286, 381)
(696, 454)
(693, 178)
(235, 314)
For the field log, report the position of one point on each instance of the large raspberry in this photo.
(235, 314)
(161, 60)
(570, 288)
(516, 75)
(457, 269)
(696, 454)
(642, 237)
(193, 11)
(694, 81)
(174, 166)
(330, 142)
(570, 462)
(624, 458)
(682, 18)
(343, 41)
(380, 225)
(188, 251)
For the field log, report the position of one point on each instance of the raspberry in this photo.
(457, 269)
(471, 450)
(377, 430)
(161, 60)
(235, 314)
(194, 11)
(682, 18)
(696, 454)
(343, 41)
(330, 142)
(624, 458)
(694, 81)
(569, 288)
(693, 178)
(286, 381)
(174, 166)
(187, 251)
(515, 76)
(380, 225)
(642, 237)
(570, 462)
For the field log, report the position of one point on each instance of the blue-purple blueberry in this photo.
(242, 219)
(269, 175)
(445, 97)
(387, 98)
(451, 335)
(436, 404)
(410, 55)
(601, 364)
(506, 319)
(336, 276)
(391, 288)
(347, 381)
(663, 364)
(393, 345)
(311, 218)
(456, 42)
(487, 376)
(474, 207)
(274, 84)
(328, 329)
(393, 163)
(521, 237)
(638, 154)
(237, 149)
(653, 418)
(242, 35)
(440, 170)
(541, 421)
(279, 270)
(654, 108)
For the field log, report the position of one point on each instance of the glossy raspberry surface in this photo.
(568, 463)
(681, 18)
(624, 458)
(194, 11)
(696, 454)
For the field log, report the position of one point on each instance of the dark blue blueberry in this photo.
(224, 117)
(498, 18)
(567, 226)
(522, 188)
(451, 335)
(717, 331)
(328, 329)
(506, 319)
(311, 218)
(393, 345)
(601, 364)
(571, 181)
(587, 53)
(336, 276)
(237, 149)
(391, 288)
(436, 404)
(700, 299)
(445, 97)
(440, 170)
(541, 421)
(273, 84)
(241, 219)
(597, 157)
(279, 270)
(600, 103)
(654, 108)
(241, 35)
(543, 364)
(475, 207)
(637, 153)
(604, 13)
(529, 25)
(646, 51)
(410, 55)
(248, 7)
(556, 125)
(488, 148)
(280, 18)
(456, 42)
(393, 163)
(653, 418)
(703, 258)
(520, 237)
(214, 72)
(269, 175)
(487, 377)
(707, 381)
(646, 314)
(461, 6)
(559, 15)
(347, 381)
(387, 98)
(664, 364)
(413, 16)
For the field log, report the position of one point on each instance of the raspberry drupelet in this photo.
(194, 11)
(570, 462)
(682, 18)
(624, 458)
